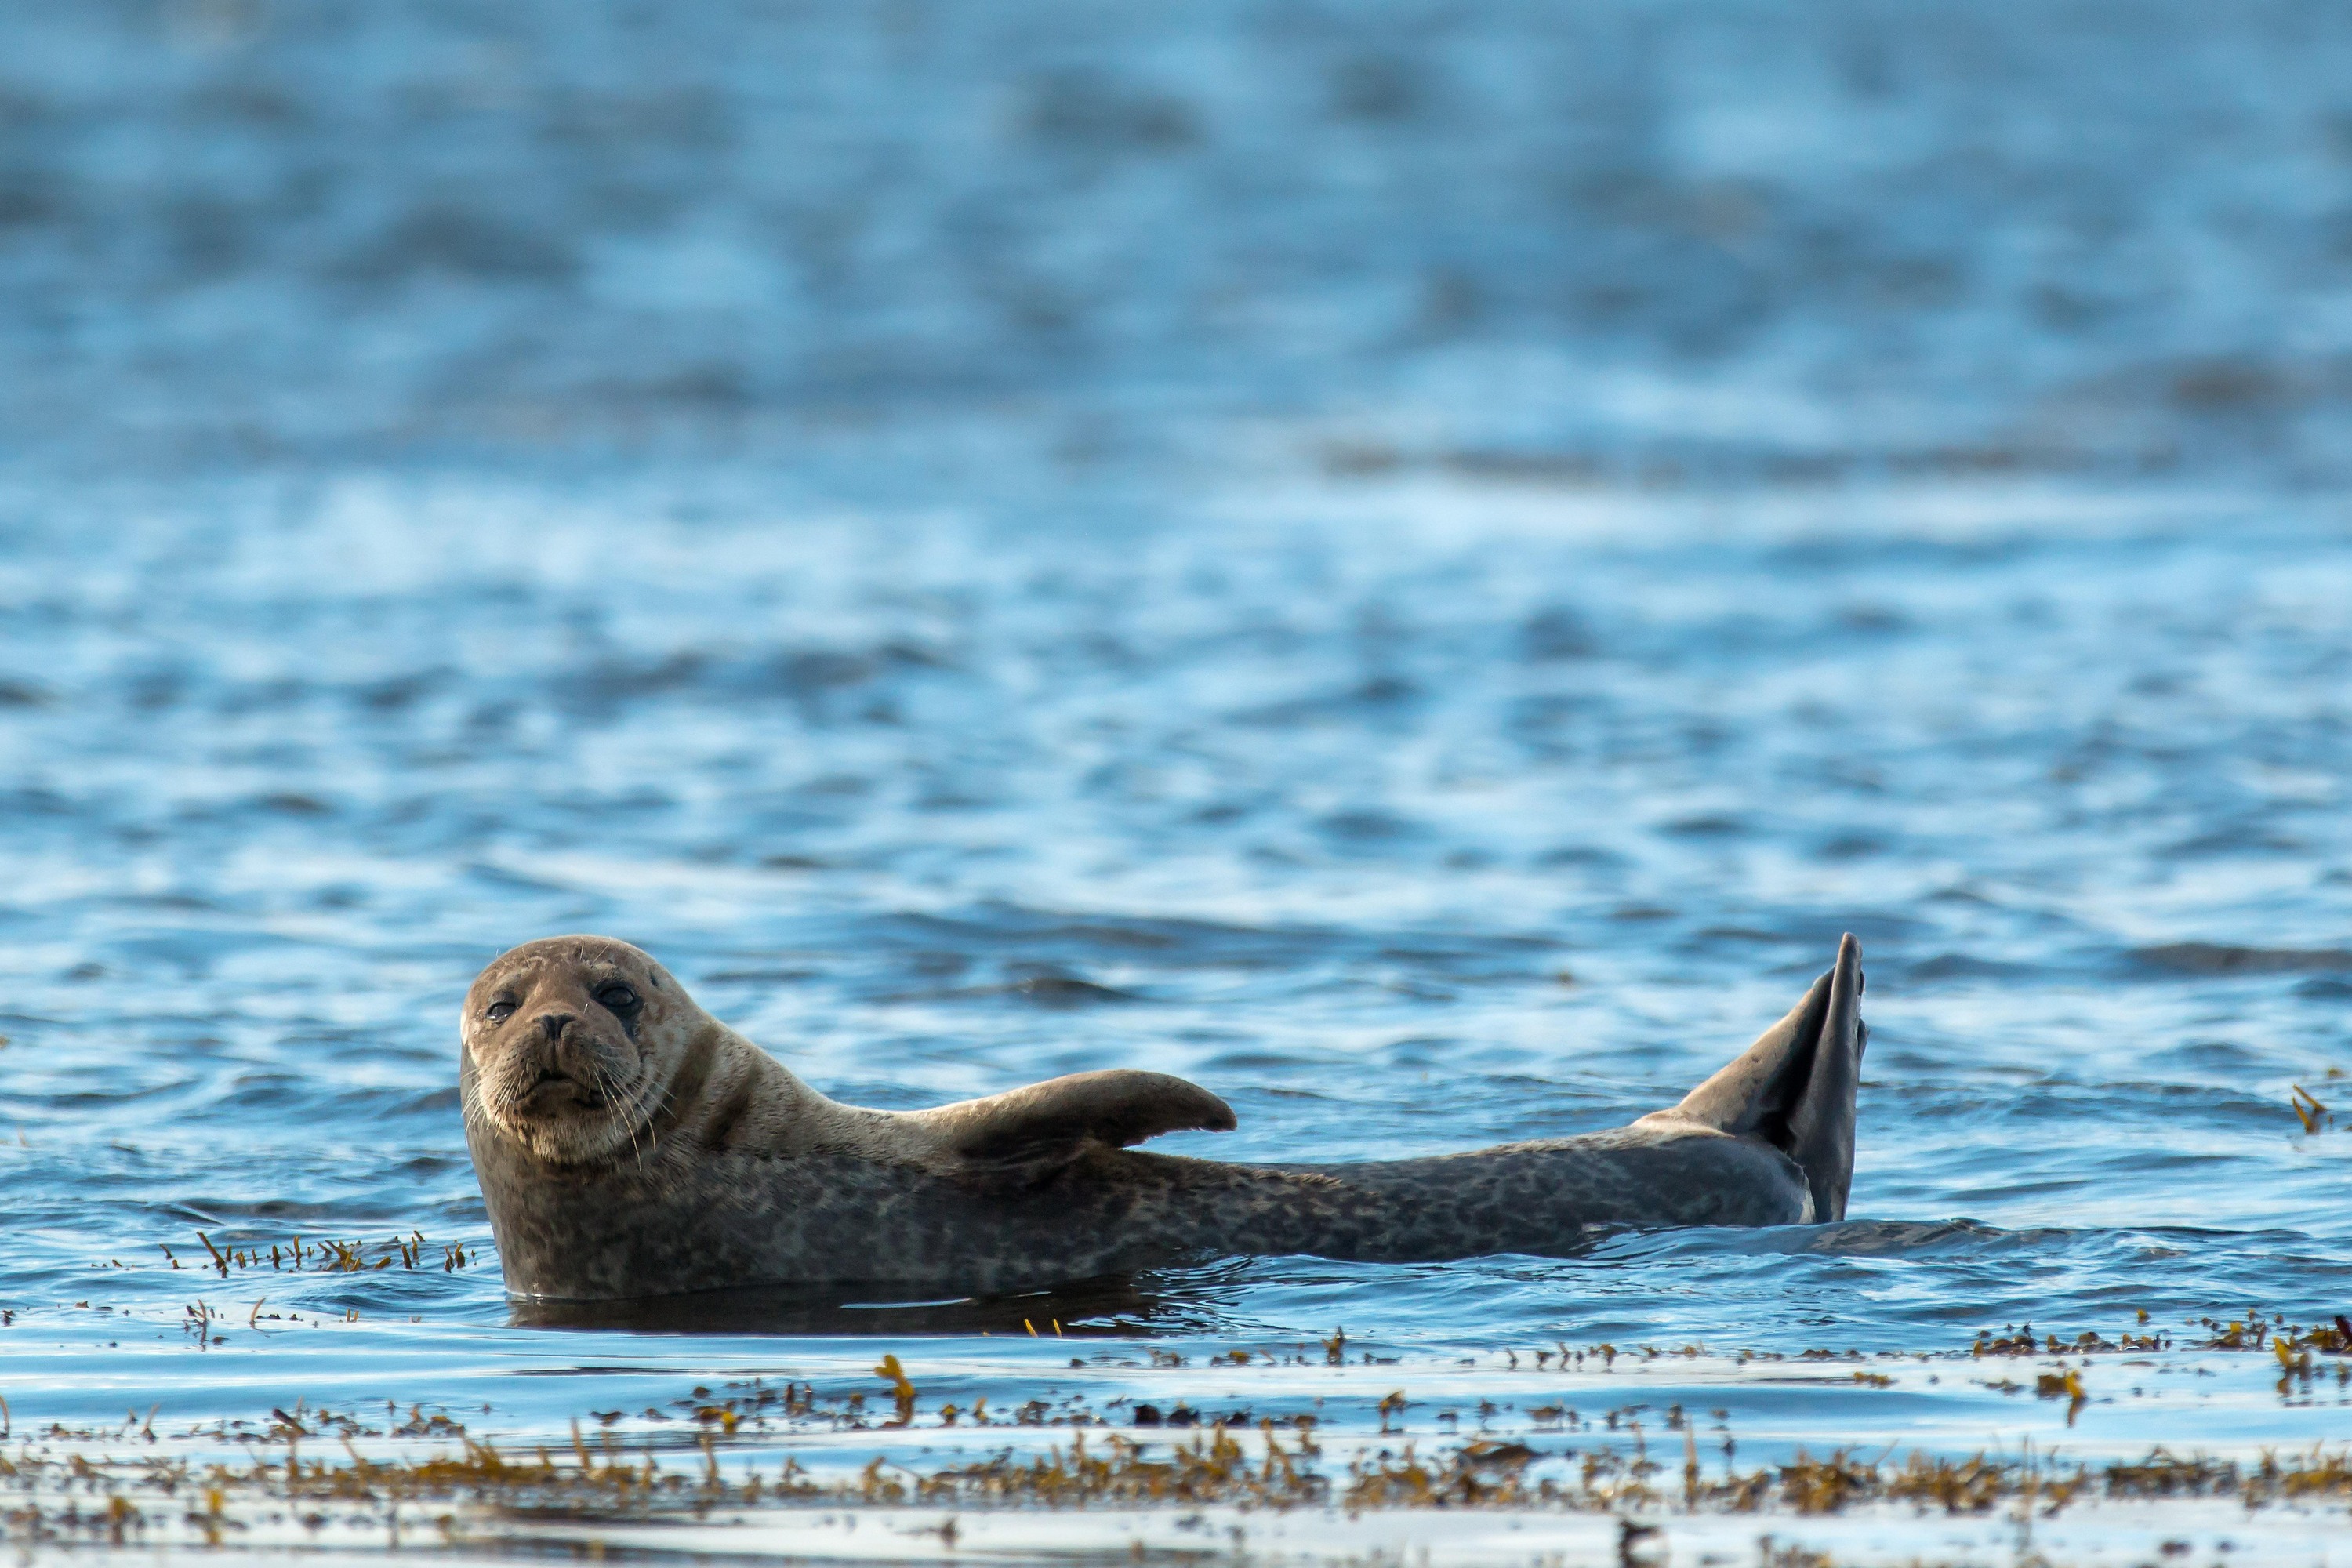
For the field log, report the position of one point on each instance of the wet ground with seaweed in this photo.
(1417, 569)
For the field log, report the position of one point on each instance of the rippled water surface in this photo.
(1406, 821)
(1431, 635)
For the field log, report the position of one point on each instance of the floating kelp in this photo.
(148, 1500)
(752, 1445)
(328, 1256)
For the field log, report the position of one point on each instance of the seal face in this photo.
(629, 1144)
(569, 1043)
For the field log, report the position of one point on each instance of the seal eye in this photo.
(616, 997)
(499, 1012)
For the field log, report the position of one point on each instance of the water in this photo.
(1415, 570)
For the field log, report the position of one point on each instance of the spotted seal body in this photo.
(629, 1144)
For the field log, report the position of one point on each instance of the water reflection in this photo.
(1110, 1305)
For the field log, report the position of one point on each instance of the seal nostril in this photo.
(552, 1024)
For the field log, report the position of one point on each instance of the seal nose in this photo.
(552, 1024)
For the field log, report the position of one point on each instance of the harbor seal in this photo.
(628, 1144)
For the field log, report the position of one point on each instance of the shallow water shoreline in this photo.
(1322, 1449)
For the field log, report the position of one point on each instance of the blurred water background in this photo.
(1415, 563)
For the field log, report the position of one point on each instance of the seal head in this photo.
(571, 1044)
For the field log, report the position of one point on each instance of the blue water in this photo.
(1417, 569)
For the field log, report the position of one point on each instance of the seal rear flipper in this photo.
(1794, 1087)
(1049, 1124)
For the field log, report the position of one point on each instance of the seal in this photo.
(628, 1144)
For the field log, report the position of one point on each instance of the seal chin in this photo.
(569, 1115)
(565, 1122)
(566, 1114)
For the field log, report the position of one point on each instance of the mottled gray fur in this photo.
(629, 1144)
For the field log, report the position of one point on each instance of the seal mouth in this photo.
(552, 1091)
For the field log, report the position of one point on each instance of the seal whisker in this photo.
(625, 1109)
(662, 1098)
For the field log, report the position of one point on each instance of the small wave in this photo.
(1950, 1240)
(1066, 991)
(1848, 1238)
(1964, 966)
(2223, 958)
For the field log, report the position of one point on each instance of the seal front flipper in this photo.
(1035, 1129)
(1794, 1087)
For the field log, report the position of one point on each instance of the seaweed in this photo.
(307, 1464)
(327, 1255)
